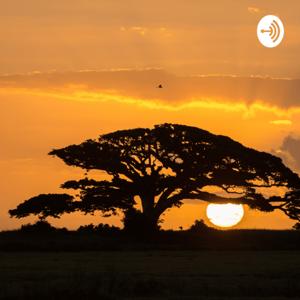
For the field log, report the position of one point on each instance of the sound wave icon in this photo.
(274, 27)
(274, 31)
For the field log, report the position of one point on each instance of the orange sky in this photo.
(215, 73)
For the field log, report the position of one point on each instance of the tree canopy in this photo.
(162, 166)
(44, 205)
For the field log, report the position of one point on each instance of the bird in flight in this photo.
(160, 86)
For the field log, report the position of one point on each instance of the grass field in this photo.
(150, 275)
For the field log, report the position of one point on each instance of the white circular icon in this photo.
(270, 31)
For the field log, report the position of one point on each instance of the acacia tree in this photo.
(162, 166)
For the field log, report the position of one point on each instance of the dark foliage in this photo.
(41, 227)
(199, 226)
(296, 226)
(44, 205)
(103, 229)
(46, 238)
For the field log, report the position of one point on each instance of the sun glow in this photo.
(225, 215)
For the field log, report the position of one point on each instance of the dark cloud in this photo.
(291, 148)
(289, 152)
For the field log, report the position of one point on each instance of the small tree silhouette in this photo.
(162, 166)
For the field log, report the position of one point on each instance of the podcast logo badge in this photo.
(270, 31)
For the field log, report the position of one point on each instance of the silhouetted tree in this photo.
(162, 166)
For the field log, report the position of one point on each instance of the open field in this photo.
(150, 275)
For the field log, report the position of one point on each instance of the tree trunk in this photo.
(145, 221)
(149, 216)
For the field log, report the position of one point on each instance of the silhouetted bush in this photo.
(100, 228)
(41, 227)
(200, 226)
(42, 237)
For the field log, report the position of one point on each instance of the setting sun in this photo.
(225, 215)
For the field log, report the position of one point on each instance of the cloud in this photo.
(139, 30)
(289, 151)
(136, 29)
(281, 122)
(253, 10)
(185, 38)
(275, 94)
(152, 32)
